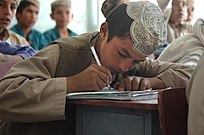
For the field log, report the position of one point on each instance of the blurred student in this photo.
(62, 14)
(176, 26)
(175, 18)
(38, 86)
(186, 49)
(27, 16)
(190, 8)
(13, 47)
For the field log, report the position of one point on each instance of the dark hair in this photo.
(118, 22)
(23, 5)
(107, 6)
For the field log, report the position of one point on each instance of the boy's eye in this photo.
(138, 61)
(122, 54)
(13, 7)
(2, 4)
(67, 12)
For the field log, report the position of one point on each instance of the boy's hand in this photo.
(138, 83)
(93, 78)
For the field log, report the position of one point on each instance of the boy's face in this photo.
(62, 15)
(28, 17)
(117, 54)
(190, 14)
(7, 11)
(179, 11)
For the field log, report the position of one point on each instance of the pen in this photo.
(97, 59)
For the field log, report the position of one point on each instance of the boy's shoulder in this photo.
(16, 39)
(50, 31)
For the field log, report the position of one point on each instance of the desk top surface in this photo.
(143, 104)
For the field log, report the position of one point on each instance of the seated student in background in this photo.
(62, 15)
(175, 18)
(195, 98)
(27, 15)
(10, 41)
(186, 49)
(190, 8)
(39, 85)
(176, 25)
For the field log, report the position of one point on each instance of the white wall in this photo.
(199, 10)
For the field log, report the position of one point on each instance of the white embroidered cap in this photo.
(148, 29)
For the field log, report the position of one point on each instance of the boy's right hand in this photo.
(94, 78)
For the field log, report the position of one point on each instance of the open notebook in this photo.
(115, 95)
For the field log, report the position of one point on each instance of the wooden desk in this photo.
(109, 117)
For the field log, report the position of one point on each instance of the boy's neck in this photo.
(1, 30)
(27, 30)
(2, 34)
(62, 28)
(63, 31)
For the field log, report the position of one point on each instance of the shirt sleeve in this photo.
(30, 92)
(172, 74)
(7, 48)
(25, 51)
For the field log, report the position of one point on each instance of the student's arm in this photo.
(25, 51)
(139, 83)
(9, 58)
(38, 94)
(30, 93)
(156, 74)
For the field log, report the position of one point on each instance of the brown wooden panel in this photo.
(173, 110)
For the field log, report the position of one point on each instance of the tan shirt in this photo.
(13, 38)
(174, 32)
(36, 87)
(195, 86)
(195, 97)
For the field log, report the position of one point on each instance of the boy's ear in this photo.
(51, 16)
(17, 15)
(104, 30)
